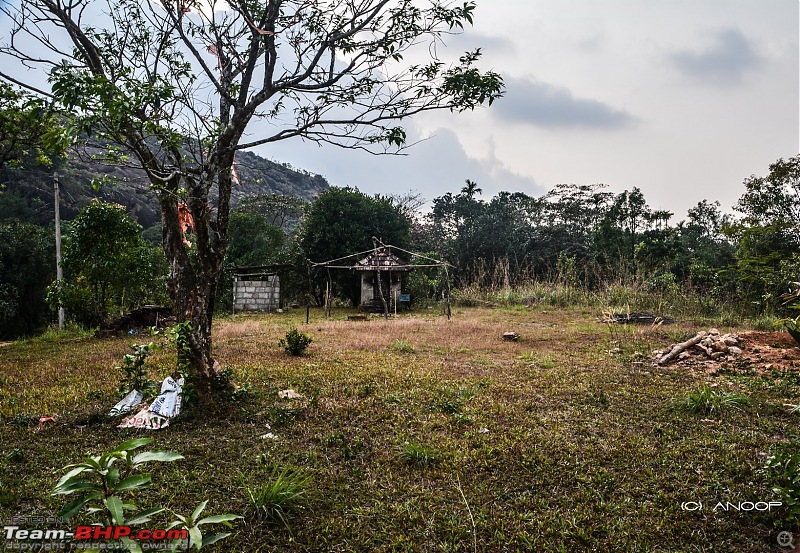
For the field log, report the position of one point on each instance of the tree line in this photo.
(576, 235)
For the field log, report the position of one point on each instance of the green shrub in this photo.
(279, 496)
(295, 342)
(133, 365)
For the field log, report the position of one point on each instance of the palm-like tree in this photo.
(471, 189)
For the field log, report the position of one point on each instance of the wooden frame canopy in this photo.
(381, 249)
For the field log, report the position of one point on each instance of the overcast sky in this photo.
(684, 99)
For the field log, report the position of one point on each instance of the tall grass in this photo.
(659, 296)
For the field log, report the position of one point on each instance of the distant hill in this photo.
(256, 176)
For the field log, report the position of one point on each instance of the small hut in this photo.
(381, 274)
(256, 288)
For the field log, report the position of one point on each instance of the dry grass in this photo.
(562, 441)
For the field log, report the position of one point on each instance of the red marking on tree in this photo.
(186, 221)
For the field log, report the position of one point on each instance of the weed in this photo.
(401, 346)
(783, 471)
(539, 360)
(22, 420)
(222, 382)
(348, 448)
(295, 342)
(16, 455)
(133, 365)
(280, 416)
(418, 454)
(282, 494)
(705, 401)
(448, 406)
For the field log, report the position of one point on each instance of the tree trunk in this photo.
(193, 284)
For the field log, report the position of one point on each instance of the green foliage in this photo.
(29, 129)
(27, 265)
(767, 235)
(420, 455)
(135, 371)
(706, 401)
(103, 485)
(783, 471)
(109, 264)
(401, 346)
(179, 336)
(281, 494)
(295, 342)
(341, 222)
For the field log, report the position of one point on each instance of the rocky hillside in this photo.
(130, 188)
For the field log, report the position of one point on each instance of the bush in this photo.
(295, 342)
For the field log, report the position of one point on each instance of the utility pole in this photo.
(59, 270)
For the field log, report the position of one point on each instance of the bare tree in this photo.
(177, 85)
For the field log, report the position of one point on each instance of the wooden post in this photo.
(59, 269)
(447, 279)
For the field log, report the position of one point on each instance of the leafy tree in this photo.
(108, 262)
(768, 235)
(27, 265)
(26, 128)
(177, 84)
(618, 231)
(341, 222)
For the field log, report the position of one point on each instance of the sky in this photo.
(684, 99)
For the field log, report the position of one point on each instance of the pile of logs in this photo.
(709, 345)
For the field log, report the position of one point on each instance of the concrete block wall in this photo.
(256, 295)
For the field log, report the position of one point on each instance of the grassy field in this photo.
(423, 434)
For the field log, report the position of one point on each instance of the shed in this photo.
(256, 289)
(380, 272)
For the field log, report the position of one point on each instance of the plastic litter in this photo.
(167, 404)
(131, 400)
(158, 414)
(145, 419)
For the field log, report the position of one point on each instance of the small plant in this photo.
(104, 484)
(705, 401)
(783, 472)
(418, 454)
(276, 499)
(179, 337)
(133, 365)
(792, 300)
(295, 342)
(401, 346)
(16, 455)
